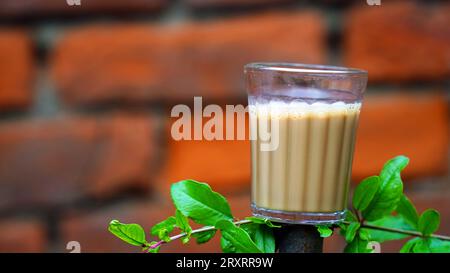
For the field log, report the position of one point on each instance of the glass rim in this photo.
(313, 69)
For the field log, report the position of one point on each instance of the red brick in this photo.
(145, 63)
(128, 155)
(403, 124)
(59, 160)
(207, 4)
(224, 164)
(334, 244)
(399, 42)
(22, 235)
(16, 69)
(90, 228)
(41, 8)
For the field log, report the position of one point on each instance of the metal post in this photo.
(298, 239)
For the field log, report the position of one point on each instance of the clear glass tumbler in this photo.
(303, 121)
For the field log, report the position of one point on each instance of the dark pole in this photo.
(298, 239)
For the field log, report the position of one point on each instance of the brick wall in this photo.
(86, 93)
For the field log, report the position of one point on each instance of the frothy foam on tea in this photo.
(301, 109)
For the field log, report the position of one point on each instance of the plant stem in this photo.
(199, 230)
(357, 215)
(401, 231)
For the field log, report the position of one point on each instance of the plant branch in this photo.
(199, 230)
(357, 215)
(401, 231)
(363, 225)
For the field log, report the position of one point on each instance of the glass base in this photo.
(294, 217)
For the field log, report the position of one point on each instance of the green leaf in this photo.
(429, 222)
(258, 220)
(237, 236)
(426, 245)
(205, 236)
(364, 234)
(365, 192)
(133, 234)
(357, 246)
(422, 246)
(152, 250)
(185, 239)
(324, 231)
(250, 229)
(197, 201)
(259, 233)
(390, 191)
(164, 228)
(439, 246)
(182, 223)
(350, 216)
(407, 210)
(392, 222)
(227, 246)
(342, 229)
(409, 246)
(351, 231)
(264, 239)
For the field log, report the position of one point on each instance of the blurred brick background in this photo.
(86, 93)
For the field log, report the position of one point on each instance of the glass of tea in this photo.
(303, 121)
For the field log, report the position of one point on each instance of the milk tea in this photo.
(310, 169)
